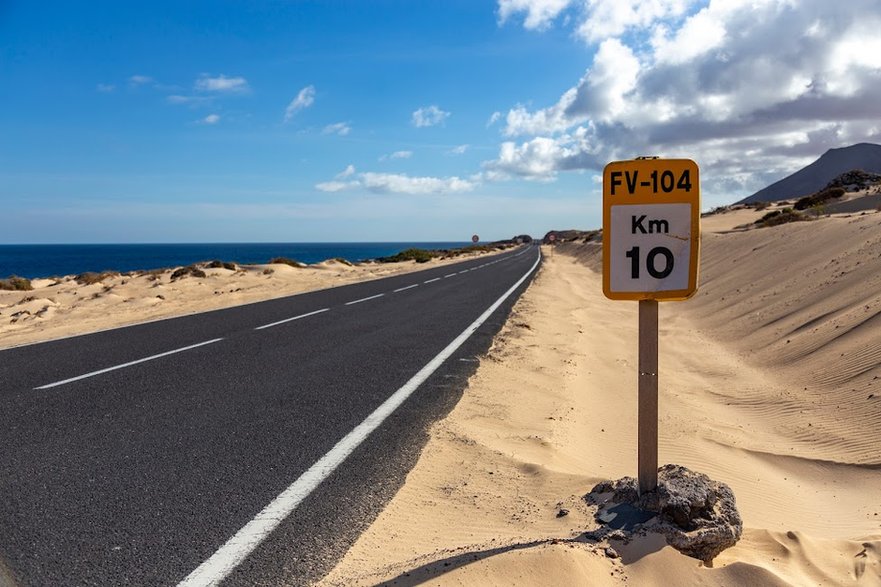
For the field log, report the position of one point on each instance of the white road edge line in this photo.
(230, 555)
(364, 299)
(129, 364)
(291, 319)
(432, 280)
(405, 288)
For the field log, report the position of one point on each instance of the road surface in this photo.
(244, 446)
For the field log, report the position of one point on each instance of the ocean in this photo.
(34, 261)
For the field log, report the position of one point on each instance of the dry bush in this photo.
(16, 283)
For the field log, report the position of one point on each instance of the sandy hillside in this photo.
(64, 306)
(551, 411)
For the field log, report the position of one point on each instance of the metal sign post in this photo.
(647, 399)
(651, 247)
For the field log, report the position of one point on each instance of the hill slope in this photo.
(834, 162)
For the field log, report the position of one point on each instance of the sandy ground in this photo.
(63, 307)
(769, 382)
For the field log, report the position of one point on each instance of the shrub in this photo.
(819, 198)
(16, 283)
(418, 255)
(777, 217)
(285, 261)
(768, 216)
(90, 277)
(188, 270)
(221, 264)
(761, 205)
(343, 261)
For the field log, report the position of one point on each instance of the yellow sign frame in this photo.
(640, 181)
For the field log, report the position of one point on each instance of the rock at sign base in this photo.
(697, 516)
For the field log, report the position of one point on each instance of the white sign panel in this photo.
(650, 247)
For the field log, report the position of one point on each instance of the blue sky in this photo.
(405, 120)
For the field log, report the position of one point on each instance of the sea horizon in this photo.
(55, 260)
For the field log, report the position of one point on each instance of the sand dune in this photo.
(790, 426)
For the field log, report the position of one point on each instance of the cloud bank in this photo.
(751, 90)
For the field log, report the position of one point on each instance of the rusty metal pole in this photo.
(647, 442)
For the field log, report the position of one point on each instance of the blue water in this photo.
(55, 260)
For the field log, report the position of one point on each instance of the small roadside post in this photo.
(651, 248)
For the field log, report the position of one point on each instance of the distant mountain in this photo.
(817, 175)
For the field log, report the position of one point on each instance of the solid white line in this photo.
(364, 299)
(230, 555)
(405, 288)
(129, 364)
(450, 275)
(432, 280)
(291, 319)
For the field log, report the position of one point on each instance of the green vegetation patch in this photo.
(221, 265)
(90, 277)
(418, 255)
(16, 283)
(188, 270)
(286, 261)
(819, 198)
(777, 217)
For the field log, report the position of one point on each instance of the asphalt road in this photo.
(132, 456)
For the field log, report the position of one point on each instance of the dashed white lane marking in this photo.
(129, 364)
(432, 280)
(463, 271)
(230, 555)
(405, 288)
(450, 275)
(291, 319)
(364, 299)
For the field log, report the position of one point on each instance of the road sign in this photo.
(475, 239)
(552, 237)
(651, 229)
(651, 245)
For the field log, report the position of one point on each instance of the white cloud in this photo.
(335, 186)
(539, 13)
(105, 88)
(429, 116)
(139, 80)
(397, 183)
(221, 83)
(338, 128)
(405, 184)
(304, 99)
(396, 155)
(606, 19)
(752, 90)
(211, 119)
(459, 150)
(542, 157)
(493, 118)
(191, 100)
(347, 172)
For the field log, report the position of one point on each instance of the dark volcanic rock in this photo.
(697, 516)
